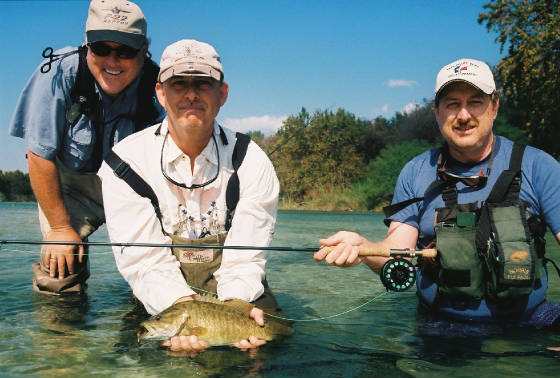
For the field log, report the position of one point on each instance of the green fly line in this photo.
(314, 319)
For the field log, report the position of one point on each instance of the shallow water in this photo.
(95, 336)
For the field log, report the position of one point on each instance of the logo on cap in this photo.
(460, 68)
(116, 10)
(116, 17)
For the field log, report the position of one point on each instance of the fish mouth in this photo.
(148, 333)
(142, 333)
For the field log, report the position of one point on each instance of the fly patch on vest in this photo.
(510, 254)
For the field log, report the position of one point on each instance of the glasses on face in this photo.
(453, 178)
(103, 50)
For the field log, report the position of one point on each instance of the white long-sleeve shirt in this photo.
(153, 272)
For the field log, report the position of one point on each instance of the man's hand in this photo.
(252, 342)
(190, 344)
(58, 257)
(346, 249)
(193, 345)
(45, 181)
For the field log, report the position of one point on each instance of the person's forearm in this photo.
(45, 182)
(399, 235)
(375, 263)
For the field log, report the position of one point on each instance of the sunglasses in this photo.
(453, 178)
(103, 50)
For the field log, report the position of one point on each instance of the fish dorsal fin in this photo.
(207, 298)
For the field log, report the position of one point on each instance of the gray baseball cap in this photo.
(189, 57)
(118, 21)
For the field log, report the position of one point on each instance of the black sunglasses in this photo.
(103, 49)
(453, 178)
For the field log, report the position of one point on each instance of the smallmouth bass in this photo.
(216, 323)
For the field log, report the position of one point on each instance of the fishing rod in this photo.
(397, 273)
(363, 251)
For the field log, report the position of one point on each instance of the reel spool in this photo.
(398, 274)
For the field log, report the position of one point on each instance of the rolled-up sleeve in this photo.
(242, 271)
(153, 273)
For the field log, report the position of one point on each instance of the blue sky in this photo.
(371, 57)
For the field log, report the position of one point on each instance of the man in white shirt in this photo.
(187, 162)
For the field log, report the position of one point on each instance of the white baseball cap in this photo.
(119, 21)
(471, 71)
(189, 57)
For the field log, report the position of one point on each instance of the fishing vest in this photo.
(85, 101)
(493, 251)
(198, 265)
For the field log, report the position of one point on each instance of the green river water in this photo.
(95, 336)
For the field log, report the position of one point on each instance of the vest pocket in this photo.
(512, 254)
(461, 274)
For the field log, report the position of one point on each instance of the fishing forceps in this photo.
(48, 53)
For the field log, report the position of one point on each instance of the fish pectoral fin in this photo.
(197, 331)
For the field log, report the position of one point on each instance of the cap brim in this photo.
(136, 41)
(488, 91)
(190, 69)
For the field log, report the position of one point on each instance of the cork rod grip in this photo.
(364, 251)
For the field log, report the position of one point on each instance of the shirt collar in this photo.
(172, 152)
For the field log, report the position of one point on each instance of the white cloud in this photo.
(410, 107)
(401, 83)
(267, 124)
(383, 110)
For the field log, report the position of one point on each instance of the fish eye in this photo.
(157, 318)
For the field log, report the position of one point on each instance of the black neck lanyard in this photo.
(445, 155)
(182, 185)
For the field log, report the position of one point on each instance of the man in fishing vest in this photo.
(484, 202)
(74, 107)
(189, 180)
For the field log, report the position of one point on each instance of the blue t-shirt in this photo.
(539, 185)
(40, 116)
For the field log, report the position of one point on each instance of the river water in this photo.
(95, 336)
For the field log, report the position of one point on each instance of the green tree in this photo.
(15, 186)
(319, 151)
(257, 137)
(418, 124)
(377, 135)
(530, 73)
(377, 188)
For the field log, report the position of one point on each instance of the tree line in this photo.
(15, 187)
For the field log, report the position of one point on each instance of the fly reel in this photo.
(398, 274)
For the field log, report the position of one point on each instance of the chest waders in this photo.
(494, 251)
(199, 265)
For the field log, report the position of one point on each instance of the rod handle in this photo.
(429, 253)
